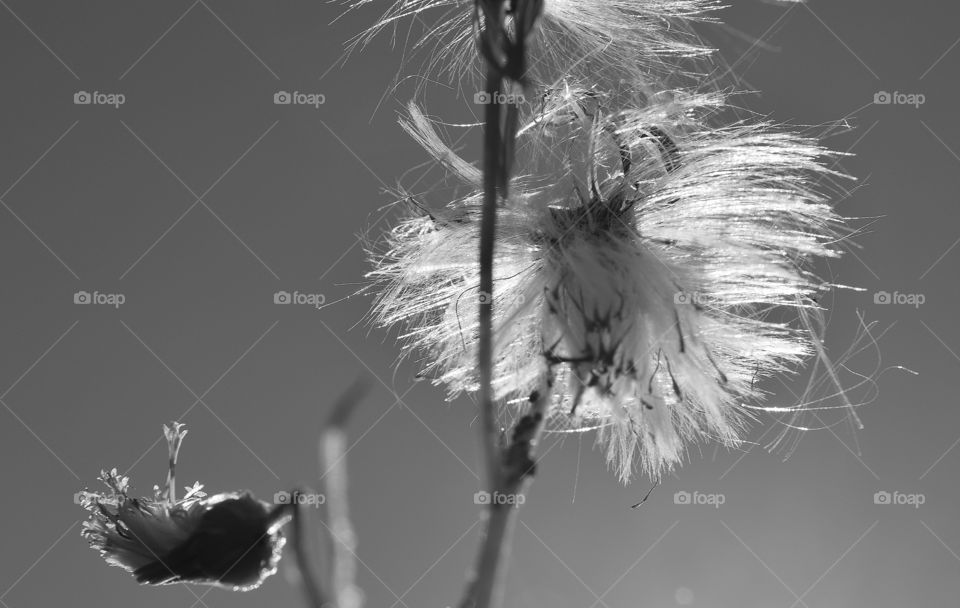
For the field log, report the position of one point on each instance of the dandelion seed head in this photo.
(642, 254)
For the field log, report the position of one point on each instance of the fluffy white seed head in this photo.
(651, 259)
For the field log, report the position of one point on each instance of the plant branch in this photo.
(312, 587)
(492, 167)
(516, 469)
(339, 576)
(332, 451)
(507, 468)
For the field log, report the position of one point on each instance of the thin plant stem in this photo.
(482, 590)
(332, 449)
(340, 573)
(312, 587)
(492, 167)
(510, 466)
(486, 590)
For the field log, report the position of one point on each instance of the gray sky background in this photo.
(198, 198)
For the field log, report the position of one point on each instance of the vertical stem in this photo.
(481, 591)
(312, 588)
(492, 167)
(486, 589)
(343, 569)
(339, 575)
(332, 448)
(510, 467)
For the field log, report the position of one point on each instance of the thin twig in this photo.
(332, 451)
(517, 469)
(487, 588)
(312, 587)
(492, 165)
(339, 576)
(509, 468)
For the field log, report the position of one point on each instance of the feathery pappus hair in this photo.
(656, 264)
(621, 38)
(229, 540)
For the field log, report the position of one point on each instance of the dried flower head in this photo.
(651, 260)
(229, 540)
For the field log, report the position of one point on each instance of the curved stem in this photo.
(312, 587)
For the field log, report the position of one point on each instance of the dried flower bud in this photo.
(229, 540)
